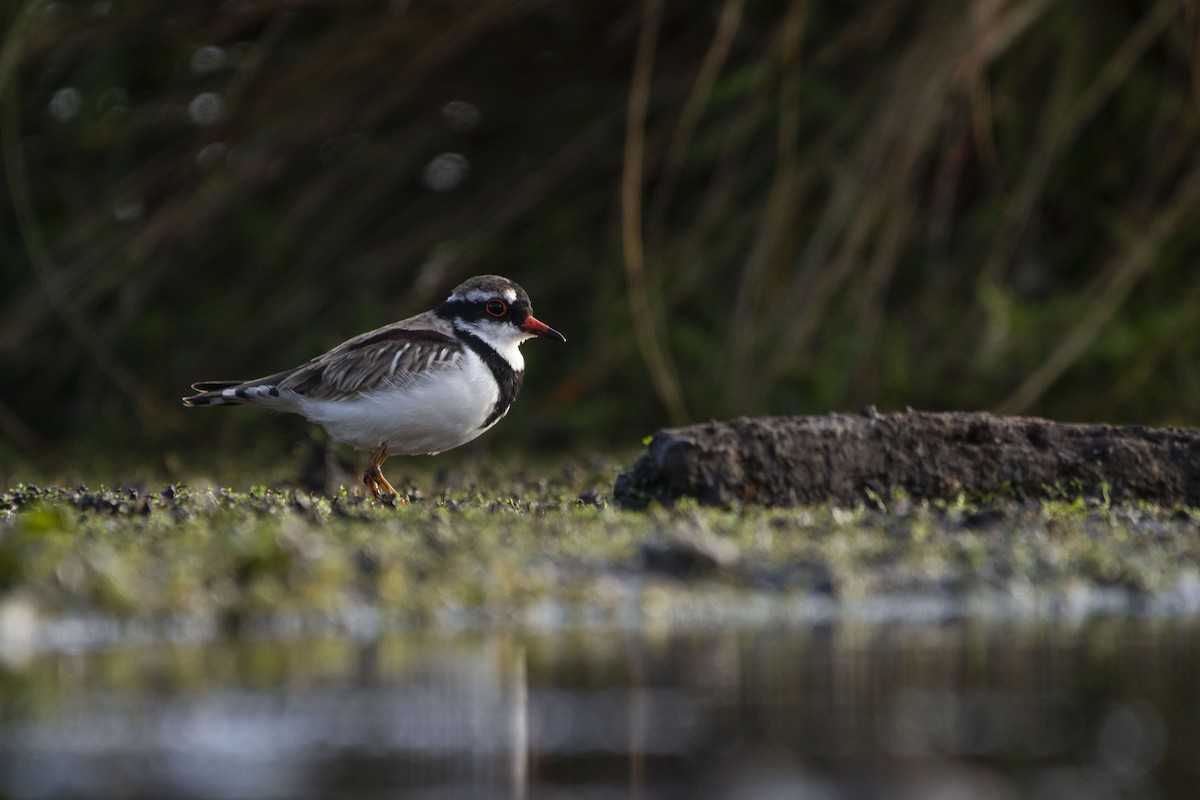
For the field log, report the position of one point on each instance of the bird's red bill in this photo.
(539, 328)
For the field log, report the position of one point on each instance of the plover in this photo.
(422, 385)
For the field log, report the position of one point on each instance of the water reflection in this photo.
(1104, 709)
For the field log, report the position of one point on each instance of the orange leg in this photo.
(373, 477)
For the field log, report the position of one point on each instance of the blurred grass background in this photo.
(729, 207)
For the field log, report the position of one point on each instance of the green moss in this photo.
(511, 549)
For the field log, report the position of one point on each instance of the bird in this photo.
(425, 384)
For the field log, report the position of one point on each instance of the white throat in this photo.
(503, 337)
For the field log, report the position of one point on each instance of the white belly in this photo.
(427, 413)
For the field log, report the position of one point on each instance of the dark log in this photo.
(848, 458)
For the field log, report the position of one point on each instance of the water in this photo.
(1104, 708)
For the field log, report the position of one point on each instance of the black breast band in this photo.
(507, 378)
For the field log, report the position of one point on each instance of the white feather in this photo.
(504, 338)
(426, 413)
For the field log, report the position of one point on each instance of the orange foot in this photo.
(373, 477)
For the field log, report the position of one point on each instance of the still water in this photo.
(1105, 708)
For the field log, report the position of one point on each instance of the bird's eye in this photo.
(495, 307)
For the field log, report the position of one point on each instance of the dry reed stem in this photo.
(1118, 279)
(775, 223)
(1064, 131)
(693, 108)
(641, 304)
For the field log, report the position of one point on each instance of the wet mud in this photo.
(851, 458)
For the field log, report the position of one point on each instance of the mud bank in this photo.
(849, 458)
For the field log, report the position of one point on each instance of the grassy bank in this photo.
(550, 549)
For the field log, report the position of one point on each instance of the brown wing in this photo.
(396, 352)
(361, 364)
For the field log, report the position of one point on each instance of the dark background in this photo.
(728, 208)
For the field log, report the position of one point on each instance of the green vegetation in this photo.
(539, 552)
(733, 207)
(728, 207)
